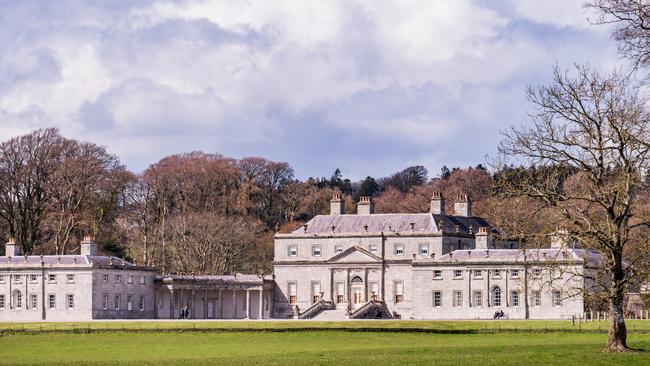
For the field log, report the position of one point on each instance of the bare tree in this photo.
(595, 127)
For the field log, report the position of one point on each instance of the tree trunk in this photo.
(617, 335)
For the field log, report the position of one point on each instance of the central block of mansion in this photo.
(430, 265)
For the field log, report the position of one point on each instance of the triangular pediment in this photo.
(355, 254)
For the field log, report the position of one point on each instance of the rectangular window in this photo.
(338, 248)
(69, 278)
(117, 301)
(141, 303)
(537, 272)
(17, 278)
(340, 292)
(33, 301)
(437, 298)
(398, 286)
(315, 250)
(2, 278)
(557, 298)
(129, 279)
(458, 274)
(129, 302)
(105, 278)
(477, 298)
(398, 249)
(437, 274)
(70, 301)
(118, 278)
(18, 297)
(424, 249)
(293, 293)
(514, 273)
(496, 273)
(514, 298)
(555, 273)
(33, 278)
(2, 302)
(105, 301)
(142, 280)
(293, 251)
(458, 299)
(51, 301)
(477, 273)
(51, 277)
(537, 299)
(315, 291)
(374, 290)
(373, 248)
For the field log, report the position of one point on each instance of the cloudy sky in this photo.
(366, 86)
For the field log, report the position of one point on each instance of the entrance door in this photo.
(357, 296)
(211, 309)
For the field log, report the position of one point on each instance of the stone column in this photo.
(193, 303)
(332, 298)
(261, 310)
(205, 304)
(234, 303)
(365, 285)
(348, 291)
(469, 294)
(171, 304)
(220, 305)
(248, 304)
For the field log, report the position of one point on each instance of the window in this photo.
(373, 248)
(2, 302)
(338, 248)
(51, 277)
(340, 292)
(69, 278)
(141, 303)
(105, 278)
(129, 279)
(537, 298)
(118, 278)
(399, 249)
(424, 249)
(292, 293)
(51, 301)
(17, 278)
(129, 302)
(437, 274)
(142, 280)
(315, 292)
(458, 299)
(514, 298)
(105, 301)
(18, 299)
(496, 296)
(437, 298)
(33, 278)
(374, 290)
(399, 291)
(555, 273)
(514, 273)
(478, 274)
(458, 274)
(315, 250)
(477, 298)
(537, 272)
(557, 298)
(70, 301)
(33, 301)
(2, 278)
(293, 250)
(117, 302)
(496, 273)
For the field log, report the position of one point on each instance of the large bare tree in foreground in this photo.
(589, 144)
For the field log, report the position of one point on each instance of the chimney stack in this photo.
(11, 248)
(437, 203)
(482, 238)
(365, 206)
(463, 205)
(337, 205)
(88, 246)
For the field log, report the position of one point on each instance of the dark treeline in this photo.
(190, 213)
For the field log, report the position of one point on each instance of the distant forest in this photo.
(193, 212)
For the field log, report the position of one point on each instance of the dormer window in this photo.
(293, 251)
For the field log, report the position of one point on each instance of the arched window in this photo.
(18, 299)
(356, 279)
(496, 296)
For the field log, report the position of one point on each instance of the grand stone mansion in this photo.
(430, 265)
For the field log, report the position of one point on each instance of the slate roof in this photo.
(394, 222)
(70, 260)
(517, 255)
(216, 279)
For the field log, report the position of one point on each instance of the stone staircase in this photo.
(336, 314)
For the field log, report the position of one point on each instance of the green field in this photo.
(289, 343)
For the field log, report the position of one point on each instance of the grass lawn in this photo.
(331, 347)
